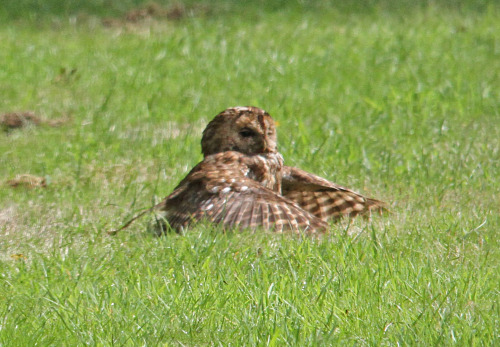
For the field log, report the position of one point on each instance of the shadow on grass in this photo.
(46, 9)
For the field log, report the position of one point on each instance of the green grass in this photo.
(398, 101)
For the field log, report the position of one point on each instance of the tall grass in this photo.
(398, 101)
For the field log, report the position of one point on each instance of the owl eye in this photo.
(245, 132)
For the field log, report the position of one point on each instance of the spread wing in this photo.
(228, 197)
(325, 199)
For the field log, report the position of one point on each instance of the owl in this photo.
(242, 183)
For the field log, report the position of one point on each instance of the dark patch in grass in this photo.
(66, 75)
(27, 181)
(137, 10)
(15, 120)
(155, 11)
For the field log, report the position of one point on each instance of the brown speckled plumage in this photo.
(242, 183)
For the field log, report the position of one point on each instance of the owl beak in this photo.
(266, 148)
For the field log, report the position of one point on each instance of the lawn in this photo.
(399, 101)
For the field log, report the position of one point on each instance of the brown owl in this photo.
(242, 183)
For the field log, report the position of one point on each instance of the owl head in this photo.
(249, 130)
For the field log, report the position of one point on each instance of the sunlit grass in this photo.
(400, 105)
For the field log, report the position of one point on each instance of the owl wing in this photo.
(231, 199)
(324, 199)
